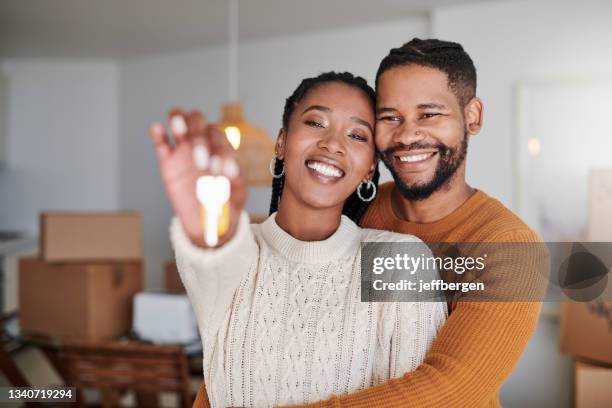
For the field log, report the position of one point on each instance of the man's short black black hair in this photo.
(446, 56)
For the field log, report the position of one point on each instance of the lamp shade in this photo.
(254, 147)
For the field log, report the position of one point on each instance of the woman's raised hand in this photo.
(180, 169)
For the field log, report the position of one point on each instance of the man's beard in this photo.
(450, 158)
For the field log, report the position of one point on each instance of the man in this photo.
(427, 110)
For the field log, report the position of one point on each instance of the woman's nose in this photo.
(332, 141)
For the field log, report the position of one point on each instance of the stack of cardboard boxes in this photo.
(82, 284)
(586, 327)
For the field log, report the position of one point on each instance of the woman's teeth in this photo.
(324, 169)
(415, 157)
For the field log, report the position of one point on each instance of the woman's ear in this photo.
(372, 170)
(473, 112)
(279, 148)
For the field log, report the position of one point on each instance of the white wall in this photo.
(3, 119)
(512, 42)
(269, 71)
(148, 89)
(62, 139)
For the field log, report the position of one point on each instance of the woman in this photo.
(278, 304)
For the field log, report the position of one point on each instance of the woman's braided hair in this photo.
(354, 207)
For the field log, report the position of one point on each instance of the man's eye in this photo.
(313, 123)
(390, 118)
(429, 115)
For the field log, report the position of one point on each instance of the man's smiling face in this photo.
(420, 129)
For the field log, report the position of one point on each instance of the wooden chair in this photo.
(117, 367)
(7, 365)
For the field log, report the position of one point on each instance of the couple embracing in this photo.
(279, 304)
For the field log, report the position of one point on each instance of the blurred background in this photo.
(81, 82)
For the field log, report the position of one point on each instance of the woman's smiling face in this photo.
(328, 147)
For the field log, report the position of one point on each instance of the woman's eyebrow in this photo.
(362, 122)
(353, 118)
(317, 107)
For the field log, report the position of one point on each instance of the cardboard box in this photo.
(86, 300)
(592, 386)
(172, 278)
(586, 330)
(77, 237)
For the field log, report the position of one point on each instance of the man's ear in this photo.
(473, 113)
(279, 148)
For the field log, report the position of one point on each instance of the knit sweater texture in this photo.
(282, 322)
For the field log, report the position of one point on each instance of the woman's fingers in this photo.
(211, 151)
(196, 122)
(218, 141)
(223, 162)
(178, 125)
(158, 137)
(198, 149)
(223, 155)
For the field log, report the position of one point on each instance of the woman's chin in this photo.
(315, 194)
(323, 201)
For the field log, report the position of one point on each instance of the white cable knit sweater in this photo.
(282, 322)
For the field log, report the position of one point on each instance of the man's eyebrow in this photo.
(362, 122)
(431, 105)
(316, 107)
(384, 110)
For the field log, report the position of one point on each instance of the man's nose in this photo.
(409, 132)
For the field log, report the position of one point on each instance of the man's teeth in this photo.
(324, 169)
(415, 157)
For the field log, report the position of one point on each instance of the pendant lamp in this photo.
(253, 145)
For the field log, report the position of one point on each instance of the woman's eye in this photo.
(357, 136)
(313, 123)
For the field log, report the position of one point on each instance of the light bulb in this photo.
(534, 146)
(233, 135)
